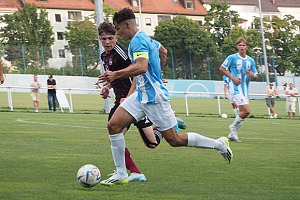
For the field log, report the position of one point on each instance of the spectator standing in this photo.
(51, 84)
(35, 93)
(271, 91)
(291, 100)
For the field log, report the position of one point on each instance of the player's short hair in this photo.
(122, 15)
(107, 28)
(239, 40)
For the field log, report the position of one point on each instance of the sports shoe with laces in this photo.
(137, 177)
(233, 136)
(225, 150)
(114, 180)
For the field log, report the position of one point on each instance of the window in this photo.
(163, 18)
(74, 15)
(60, 35)
(57, 17)
(137, 21)
(148, 21)
(135, 3)
(61, 53)
(200, 22)
(42, 0)
(189, 4)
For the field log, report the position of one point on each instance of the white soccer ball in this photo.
(224, 115)
(88, 175)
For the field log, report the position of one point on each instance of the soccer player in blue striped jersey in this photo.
(240, 69)
(151, 99)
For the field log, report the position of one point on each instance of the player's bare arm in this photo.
(237, 81)
(252, 75)
(139, 67)
(163, 54)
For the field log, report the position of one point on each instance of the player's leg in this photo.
(244, 111)
(130, 165)
(162, 115)
(150, 136)
(120, 119)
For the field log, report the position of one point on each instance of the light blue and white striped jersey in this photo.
(238, 68)
(226, 80)
(149, 85)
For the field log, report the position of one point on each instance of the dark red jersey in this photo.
(118, 59)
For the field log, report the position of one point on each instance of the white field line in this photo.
(51, 124)
(65, 125)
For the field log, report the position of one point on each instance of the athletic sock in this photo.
(237, 121)
(199, 141)
(117, 144)
(236, 111)
(130, 165)
(158, 136)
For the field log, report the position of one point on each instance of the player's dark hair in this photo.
(107, 28)
(122, 15)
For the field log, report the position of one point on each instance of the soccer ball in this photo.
(224, 116)
(88, 175)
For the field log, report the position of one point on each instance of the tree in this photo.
(281, 37)
(184, 39)
(295, 55)
(82, 39)
(27, 29)
(220, 20)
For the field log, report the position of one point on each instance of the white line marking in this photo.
(50, 124)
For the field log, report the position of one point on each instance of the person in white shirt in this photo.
(271, 91)
(291, 100)
(35, 93)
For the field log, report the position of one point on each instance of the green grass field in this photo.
(41, 153)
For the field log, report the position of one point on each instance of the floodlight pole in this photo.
(140, 11)
(99, 20)
(263, 43)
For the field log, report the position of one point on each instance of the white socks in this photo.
(199, 141)
(117, 144)
(237, 122)
(236, 111)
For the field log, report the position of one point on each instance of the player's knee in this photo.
(113, 127)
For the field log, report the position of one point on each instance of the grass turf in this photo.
(41, 153)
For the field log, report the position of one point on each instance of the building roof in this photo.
(266, 5)
(159, 6)
(64, 4)
(9, 5)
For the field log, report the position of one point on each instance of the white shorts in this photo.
(160, 114)
(240, 99)
(290, 106)
(230, 98)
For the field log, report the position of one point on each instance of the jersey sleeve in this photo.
(227, 62)
(139, 48)
(253, 67)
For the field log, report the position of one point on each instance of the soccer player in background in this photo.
(239, 68)
(229, 96)
(150, 99)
